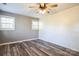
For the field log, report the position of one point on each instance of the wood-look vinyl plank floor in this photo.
(35, 48)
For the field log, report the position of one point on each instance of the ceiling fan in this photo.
(44, 7)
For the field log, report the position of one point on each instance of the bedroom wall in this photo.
(61, 28)
(23, 29)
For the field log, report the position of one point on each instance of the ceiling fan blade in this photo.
(55, 5)
(4, 3)
(51, 5)
(32, 7)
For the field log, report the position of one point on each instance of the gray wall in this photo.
(23, 29)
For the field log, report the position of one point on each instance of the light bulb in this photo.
(42, 11)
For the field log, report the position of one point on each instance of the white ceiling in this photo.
(22, 8)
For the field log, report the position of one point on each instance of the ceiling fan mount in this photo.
(42, 6)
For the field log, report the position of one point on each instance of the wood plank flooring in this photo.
(35, 48)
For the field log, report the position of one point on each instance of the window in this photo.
(35, 25)
(7, 23)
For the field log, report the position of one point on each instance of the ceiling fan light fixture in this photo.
(42, 11)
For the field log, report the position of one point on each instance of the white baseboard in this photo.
(18, 41)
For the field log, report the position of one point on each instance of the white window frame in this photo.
(7, 17)
(35, 26)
